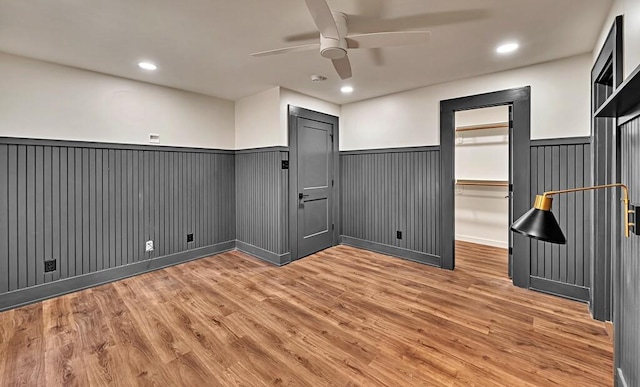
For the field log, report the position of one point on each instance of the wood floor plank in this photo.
(25, 355)
(343, 317)
(64, 362)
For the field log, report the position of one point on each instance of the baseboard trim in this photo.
(410, 255)
(42, 292)
(573, 292)
(620, 380)
(265, 255)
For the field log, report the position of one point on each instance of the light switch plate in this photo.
(149, 246)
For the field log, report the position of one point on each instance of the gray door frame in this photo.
(294, 113)
(606, 152)
(520, 185)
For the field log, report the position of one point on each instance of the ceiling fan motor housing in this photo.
(332, 48)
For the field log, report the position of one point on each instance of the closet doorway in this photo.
(519, 100)
(482, 201)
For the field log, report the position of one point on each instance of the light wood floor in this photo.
(340, 317)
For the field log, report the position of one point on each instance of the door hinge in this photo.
(331, 135)
(510, 250)
(332, 226)
(510, 187)
(332, 182)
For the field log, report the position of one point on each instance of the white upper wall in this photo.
(262, 119)
(290, 97)
(44, 100)
(258, 120)
(631, 37)
(559, 106)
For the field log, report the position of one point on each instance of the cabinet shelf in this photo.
(497, 125)
(484, 183)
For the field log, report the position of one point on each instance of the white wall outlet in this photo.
(149, 246)
(154, 138)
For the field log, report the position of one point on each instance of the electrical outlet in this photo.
(189, 238)
(50, 265)
(149, 246)
(399, 234)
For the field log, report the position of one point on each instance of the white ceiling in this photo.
(204, 45)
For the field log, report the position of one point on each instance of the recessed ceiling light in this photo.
(507, 48)
(147, 66)
(346, 89)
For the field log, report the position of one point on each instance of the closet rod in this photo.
(497, 125)
(486, 183)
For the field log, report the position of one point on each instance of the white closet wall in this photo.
(482, 155)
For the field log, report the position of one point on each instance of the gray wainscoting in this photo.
(389, 190)
(261, 204)
(560, 164)
(628, 280)
(92, 207)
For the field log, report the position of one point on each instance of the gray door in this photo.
(315, 181)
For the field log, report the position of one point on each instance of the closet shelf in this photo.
(485, 183)
(497, 125)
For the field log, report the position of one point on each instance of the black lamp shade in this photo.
(541, 225)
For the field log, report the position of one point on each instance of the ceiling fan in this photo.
(334, 41)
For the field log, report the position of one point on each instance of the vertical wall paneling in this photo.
(628, 313)
(63, 219)
(12, 232)
(261, 204)
(563, 269)
(32, 242)
(4, 219)
(86, 212)
(92, 207)
(390, 190)
(23, 228)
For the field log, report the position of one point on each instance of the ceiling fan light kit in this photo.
(335, 42)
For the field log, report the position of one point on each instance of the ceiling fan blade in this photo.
(286, 50)
(321, 14)
(315, 35)
(343, 67)
(373, 23)
(388, 39)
